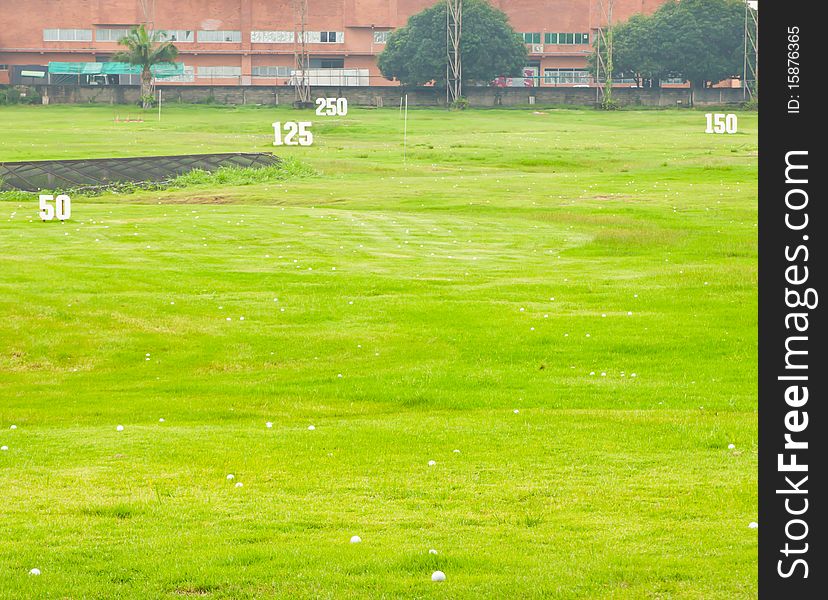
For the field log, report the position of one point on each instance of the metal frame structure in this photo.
(603, 90)
(301, 83)
(750, 69)
(454, 69)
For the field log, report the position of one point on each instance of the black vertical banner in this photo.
(792, 350)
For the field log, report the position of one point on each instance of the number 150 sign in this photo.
(61, 209)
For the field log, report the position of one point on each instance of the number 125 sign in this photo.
(62, 208)
(295, 134)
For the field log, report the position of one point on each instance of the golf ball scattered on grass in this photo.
(356, 539)
(438, 576)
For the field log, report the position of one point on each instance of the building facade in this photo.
(253, 42)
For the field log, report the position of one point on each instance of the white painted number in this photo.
(331, 107)
(721, 123)
(296, 134)
(62, 208)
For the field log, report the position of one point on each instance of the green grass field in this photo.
(556, 306)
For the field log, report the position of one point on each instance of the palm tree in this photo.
(144, 50)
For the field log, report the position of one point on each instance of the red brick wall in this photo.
(22, 24)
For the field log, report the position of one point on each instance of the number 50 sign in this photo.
(62, 208)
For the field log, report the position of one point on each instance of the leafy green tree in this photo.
(144, 50)
(635, 51)
(417, 54)
(699, 40)
(702, 40)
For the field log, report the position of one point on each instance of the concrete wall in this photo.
(373, 96)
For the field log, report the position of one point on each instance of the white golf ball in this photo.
(230, 476)
(753, 525)
(119, 428)
(356, 539)
(34, 572)
(438, 576)
(269, 425)
(311, 428)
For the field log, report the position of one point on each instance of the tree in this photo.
(144, 50)
(417, 54)
(699, 40)
(635, 52)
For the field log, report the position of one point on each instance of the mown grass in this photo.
(428, 285)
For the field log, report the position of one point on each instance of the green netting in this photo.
(75, 68)
(113, 68)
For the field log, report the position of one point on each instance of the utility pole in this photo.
(454, 70)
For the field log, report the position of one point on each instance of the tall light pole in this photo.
(454, 69)
(301, 84)
(750, 69)
(605, 63)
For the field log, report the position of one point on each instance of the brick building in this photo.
(252, 42)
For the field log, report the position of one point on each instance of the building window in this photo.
(327, 63)
(324, 37)
(272, 71)
(110, 35)
(67, 35)
(187, 76)
(272, 37)
(219, 72)
(176, 35)
(531, 38)
(219, 36)
(566, 38)
(566, 76)
(381, 37)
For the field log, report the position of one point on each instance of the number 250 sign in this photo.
(61, 209)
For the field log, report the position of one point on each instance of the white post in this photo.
(405, 129)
